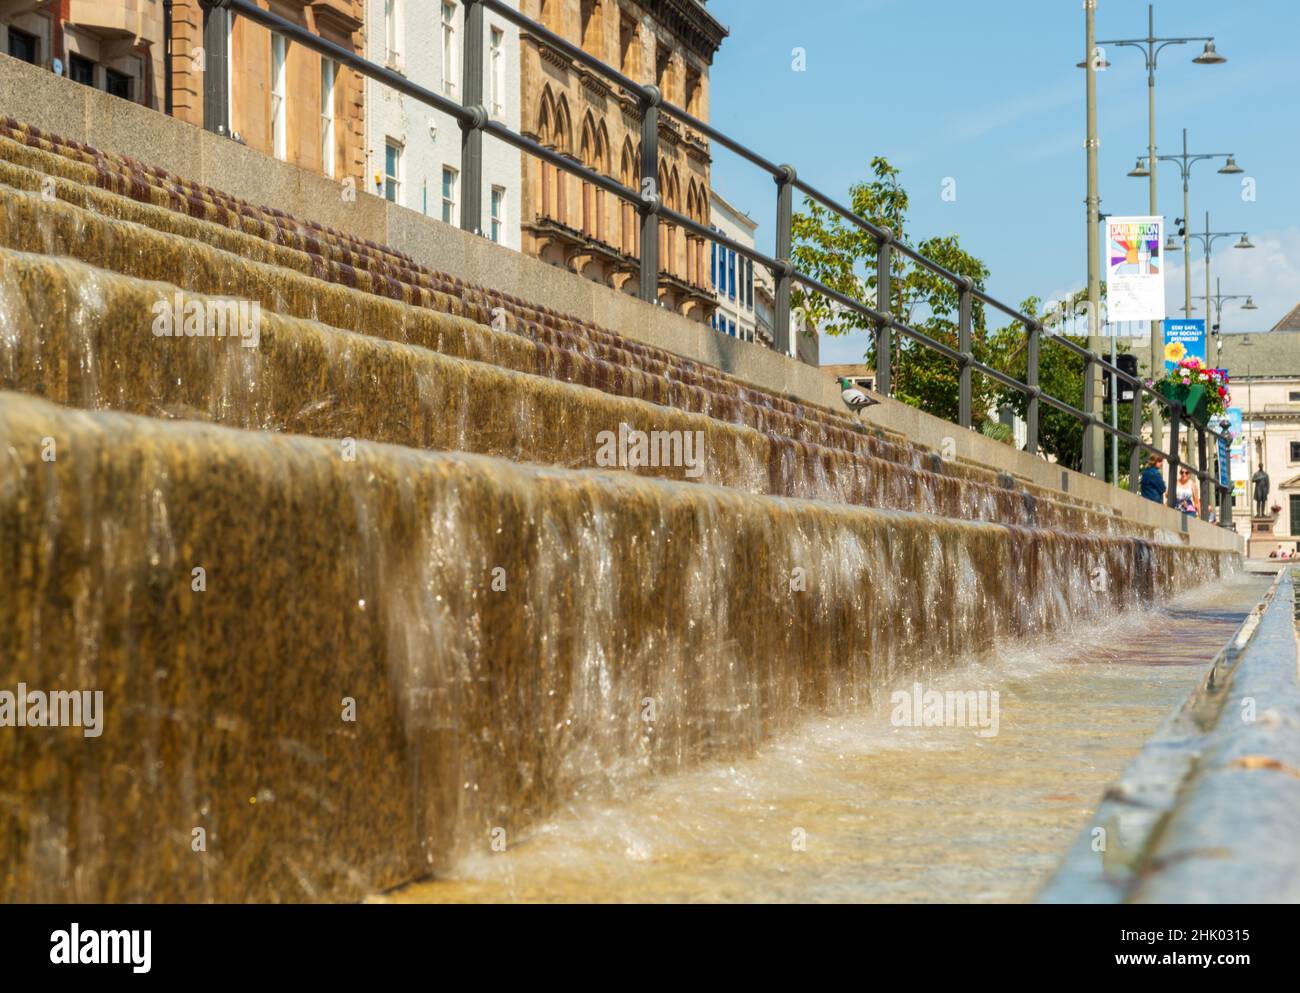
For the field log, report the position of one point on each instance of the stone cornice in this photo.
(593, 83)
(336, 14)
(698, 151)
(546, 52)
(689, 20)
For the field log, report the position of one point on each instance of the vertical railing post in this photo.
(471, 133)
(1175, 426)
(1035, 337)
(784, 249)
(1135, 452)
(885, 326)
(650, 194)
(1204, 481)
(168, 85)
(216, 106)
(1225, 492)
(1088, 462)
(964, 335)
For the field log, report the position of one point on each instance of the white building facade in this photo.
(731, 276)
(413, 151)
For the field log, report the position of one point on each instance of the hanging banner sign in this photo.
(1239, 470)
(1184, 339)
(1135, 274)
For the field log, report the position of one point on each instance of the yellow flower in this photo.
(1174, 351)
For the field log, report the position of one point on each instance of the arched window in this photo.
(673, 201)
(694, 246)
(602, 165)
(629, 176)
(547, 173)
(564, 144)
(594, 155)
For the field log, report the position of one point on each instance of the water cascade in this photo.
(363, 592)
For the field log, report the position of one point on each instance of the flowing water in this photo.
(394, 506)
(884, 813)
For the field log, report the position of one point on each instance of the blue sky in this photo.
(988, 94)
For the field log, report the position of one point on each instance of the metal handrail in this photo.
(474, 121)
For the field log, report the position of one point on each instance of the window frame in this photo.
(392, 190)
(112, 76)
(328, 115)
(496, 70)
(279, 96)
(448, 34)
(26, 37)
(392, 33)
(73, 59)
(497, 213)
(450, 203)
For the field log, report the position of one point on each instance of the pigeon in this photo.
(853, 397)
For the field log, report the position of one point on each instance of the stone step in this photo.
(279, 239)
(346, 672)
(98, 340)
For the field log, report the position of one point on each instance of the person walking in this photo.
(1153, 480)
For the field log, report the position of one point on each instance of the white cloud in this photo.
(1269, 272)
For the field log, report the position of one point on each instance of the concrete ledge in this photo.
(1206, 812)
(82, 113)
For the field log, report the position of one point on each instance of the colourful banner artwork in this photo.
(1135, 277)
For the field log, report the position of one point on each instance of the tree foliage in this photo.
(842, 256)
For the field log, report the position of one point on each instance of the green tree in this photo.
(1060, 374)
(843, 257)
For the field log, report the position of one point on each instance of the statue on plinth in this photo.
(1261, 484)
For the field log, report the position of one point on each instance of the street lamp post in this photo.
(1207, 239)
(1092, 442)
(1185, 161)
(1151, 46)
(1217, 302)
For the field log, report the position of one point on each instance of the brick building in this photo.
(567, 107)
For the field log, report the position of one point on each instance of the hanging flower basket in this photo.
(1202, 392)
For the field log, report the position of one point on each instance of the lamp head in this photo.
(1209, 57)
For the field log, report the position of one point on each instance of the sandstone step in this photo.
(499, 629)
(393, 274)
(90, 338)
(60, 228)
(312, 248)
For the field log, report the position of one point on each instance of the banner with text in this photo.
(1135, 275)
(1184, 339)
